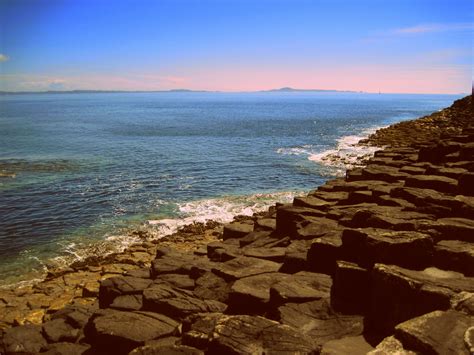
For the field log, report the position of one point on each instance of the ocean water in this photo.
(81, 171)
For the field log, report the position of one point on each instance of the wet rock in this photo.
(177, 303)
(317, 320)
(399, 294)
(324, 252)
(244, 266)
(25, 339)
(303, 286)
(236, 230)
(350, 291)
(119, 332)
(58, 330)
(455, 255)
(437, 332)
(434, 182)
(404, 248)
(354, 345)
(121, 285)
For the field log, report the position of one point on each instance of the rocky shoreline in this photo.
(381, 261)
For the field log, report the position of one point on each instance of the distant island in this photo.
(284, 89)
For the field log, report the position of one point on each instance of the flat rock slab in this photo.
(404, 248)
(57, 330)
(434, 182)
(236, 230)
(177, 303)
(276, 254)
(177, 280)
(437, 333)
(166, 350)
(312, 202)
(128, 303)
(324, 252)
(244, 266)
(119, 332)
(25, 339)
(301, 287)
(317, 320)
(288, 217)
(452, 228)
(212, 287)
(245, 334)
(317, 228)
(399, 294)
(67, 349)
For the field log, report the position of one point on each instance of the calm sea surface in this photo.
(81, 170)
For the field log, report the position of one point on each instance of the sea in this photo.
(79, 172)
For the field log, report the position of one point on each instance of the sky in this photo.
(396, 46)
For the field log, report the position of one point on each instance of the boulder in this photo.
(303, 286)
(354, 345)
(383, 173)
(295, 256)
(437, 332)
(120, 285)
(455, 255)
(312, 202)
(318, 227)
(404, 248)
(57, 330)
(177, 280)
(399, 294)
(351, 288)
(119, 332)
(244, 266)
(236, 230)
(451, 228)
(212, 287)
(128, 303)
(177, 303)
(25, 339)
(324, 252)
(434, 182)
(289, 217)
(390, 345)
(75, 315)
(276, 254)
(265, 224)
(317, 320)
(67, 349)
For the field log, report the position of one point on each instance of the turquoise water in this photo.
(81, 169)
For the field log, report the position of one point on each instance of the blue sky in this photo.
(233, 45)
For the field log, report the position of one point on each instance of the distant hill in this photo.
(288, 89)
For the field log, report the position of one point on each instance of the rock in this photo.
(425, 197)
(324, 252)
(177, 303)
(244, 266)
(437, 332)
(288, 218)
(276, 254)
(254, 236)
(177, 280)
(236, 230)
(67, 349)
(317, 320)
(257, 335)
(466, 184)
(198, 329)
(57, 330)
(390, 345)
(311, 202)
(119, 332)
(295, 256)
(317, 228)
(180, 263)
(383, 173)
(455, 255)
(120, 285)
(265, 224)
(333, 196)
(166, 350)
(356, 197)
(25, 339)
(128, 303)
(399, 294)
(350, 291)
(212, 287)
(218, 251)
(354, 345)
(75, 315)
(404, 248)
(251, 295)
(434, 182)
(452, 228)
(303, 286)
(387, 218)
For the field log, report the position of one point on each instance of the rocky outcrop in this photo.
(380, 261)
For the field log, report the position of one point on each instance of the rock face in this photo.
(382, 258)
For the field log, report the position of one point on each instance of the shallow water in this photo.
(78, 169)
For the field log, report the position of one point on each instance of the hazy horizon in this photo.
(237, 45)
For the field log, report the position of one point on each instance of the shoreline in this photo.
(229, 270)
